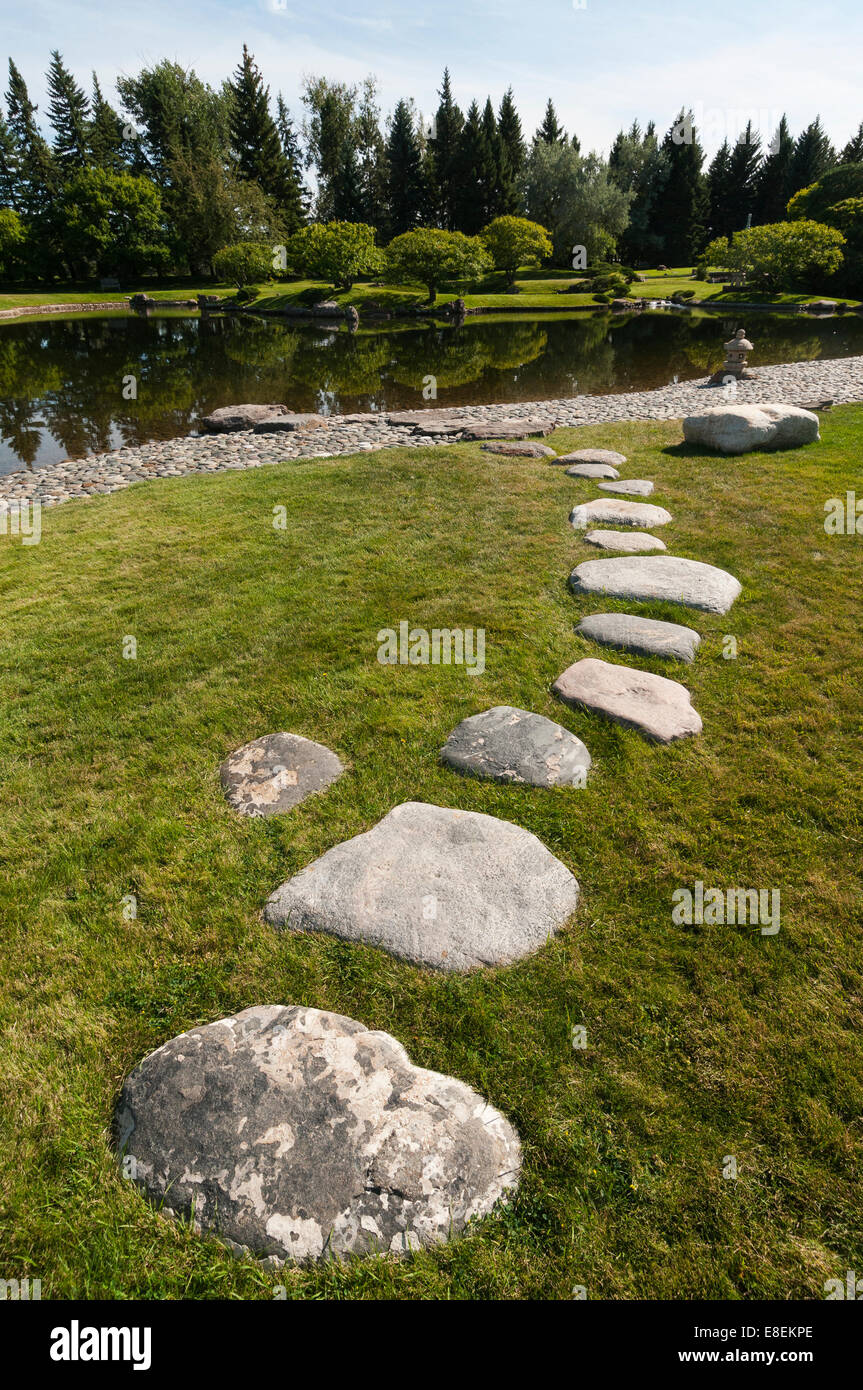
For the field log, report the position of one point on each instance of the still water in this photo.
(64, 381)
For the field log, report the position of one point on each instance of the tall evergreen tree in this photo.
(497, 187)
(853, 151)
(444, 147)
(295, 202)
(637, 166)
(9, 166)
(743, 167)
(105, 134)
(720, 220)
(405, 191)
(773, 180)
(813, 156)
(35, 166)
(681, 212)
(349, 202)
(472, 160)
(255, 143)
(68, 112)
(511, 138)
(551, 132)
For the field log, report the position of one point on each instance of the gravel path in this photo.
(798, 383)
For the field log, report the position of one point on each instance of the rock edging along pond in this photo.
(800, 383)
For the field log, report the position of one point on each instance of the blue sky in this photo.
(604, 62)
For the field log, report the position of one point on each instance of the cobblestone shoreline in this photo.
(799, 383)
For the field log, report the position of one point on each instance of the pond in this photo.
(65, 381)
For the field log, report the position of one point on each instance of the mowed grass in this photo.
(702, 1042)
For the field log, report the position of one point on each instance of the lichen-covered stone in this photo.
(275, 773)
(505, 744)
(296, 1134)
(449, 889)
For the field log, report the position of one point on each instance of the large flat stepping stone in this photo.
(633, 542)
(634, 487)
(590, 470)
(275, 773)
(644, 577)
(506, 744)
(643, 636)
(294, 1134)
(427, 421)
(656, 707)
(449, 889)
(276, 424)
(735, 429)
(525, 449)
(607, 457)
(507, 429)
(617, 511)
(229, 418)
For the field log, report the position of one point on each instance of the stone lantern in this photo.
(734, 366)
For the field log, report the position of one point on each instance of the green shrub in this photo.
(246, 263)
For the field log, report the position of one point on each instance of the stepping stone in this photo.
(507, 429)
(277, 772)
(644, 577)
(449, 889)
(635, 487)
(526, 450)
(643, 636)
(633, 541)
(606, 456)
(229, 418)
(512, 745)
(281, 423)
(590, 470)
(614, 511)
(428, 421)
(295, 1134)
(656, 707)
(735, 429)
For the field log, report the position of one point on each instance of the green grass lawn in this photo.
(538, 289)
(703, 1042)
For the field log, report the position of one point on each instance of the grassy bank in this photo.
(537, 289)
(703, 1042)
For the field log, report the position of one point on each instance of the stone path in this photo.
(657, 707)
(839, 379)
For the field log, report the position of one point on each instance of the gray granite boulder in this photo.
(507, 429)
(512, 745)
(617, 511)
(428, 421)
(450, 889)
(288, 423)
(645, 577)
(633, 542)
(294, 1135)
(633, 487)
(656, 707)
(277, 772)
(522, 449)
(735, 429)
(595, 456)
(229, 418)
(590, 470)
(643, 636)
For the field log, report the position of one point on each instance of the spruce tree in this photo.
(255, 143)
(743, 168)
(444, 146)
(10, 158)
(773, 181)
(37, 179)
(681, 211)
(471, 160)
(720, 222)
(105, 133)
(853, 151)
(813, 156)
(348, 194)
(294, 206)
(497, 189)
(404, 172)
(551, 132)
(511, 138)
(68, 112)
